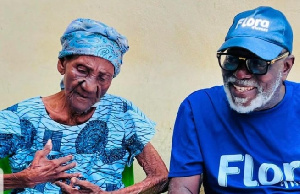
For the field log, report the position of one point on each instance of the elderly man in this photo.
(243, 137)
(81, 131)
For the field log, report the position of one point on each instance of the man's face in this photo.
(247, 92)
(86, 80)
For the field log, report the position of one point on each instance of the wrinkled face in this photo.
(247, 92)
(86, 80)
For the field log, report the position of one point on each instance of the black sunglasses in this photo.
(255, 66)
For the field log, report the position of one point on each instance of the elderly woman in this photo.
(80, 139)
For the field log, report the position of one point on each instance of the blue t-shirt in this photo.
(258, 152)
(101, 147)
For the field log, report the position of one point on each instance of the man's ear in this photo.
(61, 66)
(287, 66)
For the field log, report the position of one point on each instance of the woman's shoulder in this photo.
(114, 102)
(118, 105)
(110, 98)
(11, 117)
(30, 104)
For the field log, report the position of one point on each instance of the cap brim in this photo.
(261, 48)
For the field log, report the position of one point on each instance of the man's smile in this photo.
(243, 88)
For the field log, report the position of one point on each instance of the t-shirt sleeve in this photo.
(10, 133)
(139, 131)
(186, 157)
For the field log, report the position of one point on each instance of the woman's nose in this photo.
(91, 85)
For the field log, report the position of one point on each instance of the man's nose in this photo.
(242, 72)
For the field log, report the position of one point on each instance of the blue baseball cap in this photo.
(264, 31)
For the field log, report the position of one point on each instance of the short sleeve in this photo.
(139, 131)
(186, 157)
(10, 133)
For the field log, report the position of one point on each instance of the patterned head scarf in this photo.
(90, 37)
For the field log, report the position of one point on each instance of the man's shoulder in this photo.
(206, 98)
(292, 84)
(293, 89)
(213, 92)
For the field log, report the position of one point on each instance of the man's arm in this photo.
(185, 185)
(155, 182)
(41, 170)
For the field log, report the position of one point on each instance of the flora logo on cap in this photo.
(255, 24)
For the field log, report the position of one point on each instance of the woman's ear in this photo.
(61, 66)
(287, 66)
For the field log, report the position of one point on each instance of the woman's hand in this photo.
(44, 170)
(41, 170)
(79, 186)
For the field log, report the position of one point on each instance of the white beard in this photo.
(261, 99)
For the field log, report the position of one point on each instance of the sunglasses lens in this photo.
(229, 62)
(257, 66)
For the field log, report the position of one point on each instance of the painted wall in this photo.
(172, 49)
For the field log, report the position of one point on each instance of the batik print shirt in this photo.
(101, 147)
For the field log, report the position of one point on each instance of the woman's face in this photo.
(86, 80)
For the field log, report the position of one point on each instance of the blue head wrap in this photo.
(90, 37)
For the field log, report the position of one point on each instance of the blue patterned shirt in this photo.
(101, 147)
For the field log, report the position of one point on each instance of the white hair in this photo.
(261, 99)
